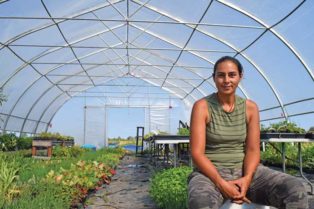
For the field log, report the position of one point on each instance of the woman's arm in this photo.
(252, 147)
(199, 118)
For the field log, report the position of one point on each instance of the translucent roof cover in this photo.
(146, 53)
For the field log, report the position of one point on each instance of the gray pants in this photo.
(268, 187)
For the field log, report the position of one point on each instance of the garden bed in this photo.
(62, 182)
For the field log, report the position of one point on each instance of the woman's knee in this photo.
(296, 191)
(202, 193)
(204, 201)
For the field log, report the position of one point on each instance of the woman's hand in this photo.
(242, 185)
(229, 189)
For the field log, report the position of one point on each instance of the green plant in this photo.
(55, 136)
(8, 178)
(40, 194)
(8, 142)
(168, 188)
(24, 143)
(283, 126)
(183, 132)
(56, 183)
(60, 151)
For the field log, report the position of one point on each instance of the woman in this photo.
(225, 148)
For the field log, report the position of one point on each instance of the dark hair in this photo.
(231, 59)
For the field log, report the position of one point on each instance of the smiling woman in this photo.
(225, 148)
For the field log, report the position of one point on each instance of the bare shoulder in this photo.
(252, 111)
(199, 112)
(200, 108)
(251, 105)
(202, 103)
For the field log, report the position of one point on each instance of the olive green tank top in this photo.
(226, 133)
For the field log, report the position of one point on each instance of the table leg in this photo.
(175, 151)
(301, 167)
(283, 156)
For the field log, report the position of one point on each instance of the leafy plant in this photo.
(8, 178)
(57, 183)
(8, 142)
(183, 132)
(168, 188)
(60, 151)
(55, 136)
(24, 143)
(283, 127)
(40, 194)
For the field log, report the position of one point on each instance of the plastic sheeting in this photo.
(146, 52)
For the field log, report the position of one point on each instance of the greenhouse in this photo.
(96, 70)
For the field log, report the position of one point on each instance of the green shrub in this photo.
(24, 143)
(184, 132)
(56, 136)
(283, 126)
(8, 178)
(168, 188)
(60, 151)
(8, 142)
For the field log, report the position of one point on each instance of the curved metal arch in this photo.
(193, 53)
(69, 99)
(183, 68)
(168, 60)
(206, 60)
(250, 62)
(34, 104)
(17, 37)
(187, 41)
(232, 47)
(273, 31)
(54, 101)
(24, 92)
(66, 41)
(39, 120)
(53, 84)
(51, 51)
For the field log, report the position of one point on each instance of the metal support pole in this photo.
(283, 156)
(301, 167)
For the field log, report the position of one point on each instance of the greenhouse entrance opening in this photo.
(112, 121)
(121, 123)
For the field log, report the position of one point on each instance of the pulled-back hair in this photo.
(231, 59)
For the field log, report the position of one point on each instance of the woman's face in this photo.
(227, 77)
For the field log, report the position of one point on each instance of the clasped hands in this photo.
(235, 189)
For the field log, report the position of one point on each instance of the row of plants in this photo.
(286, 129)
(272, 154)
(53, 136)
(62, 182)
(10, 142)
